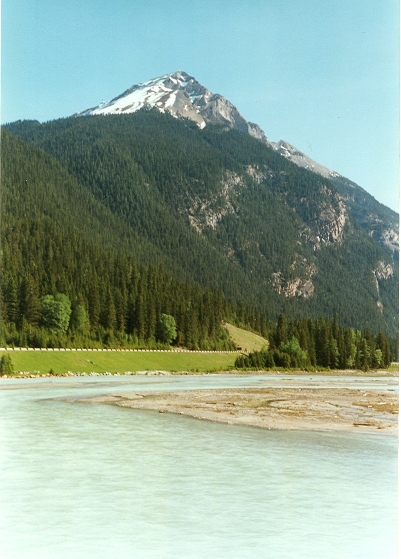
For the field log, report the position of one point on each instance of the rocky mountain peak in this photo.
(181, 95)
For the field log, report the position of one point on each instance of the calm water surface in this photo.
(96, 481)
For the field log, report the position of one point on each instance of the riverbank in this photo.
(379, 373)
(316, 409)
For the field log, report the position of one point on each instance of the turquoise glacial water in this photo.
(97, 481)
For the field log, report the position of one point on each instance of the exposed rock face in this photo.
(390, 239)
(331, 222)
(326, 220)
(383, 271)
(257, 174)
(207, 213)
(328, 225)
(300, 286)
(381, 223)
(293, 154)
(297, 287)
(330, 216)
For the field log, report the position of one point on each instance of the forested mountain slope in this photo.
(218, 208)
(58, 243)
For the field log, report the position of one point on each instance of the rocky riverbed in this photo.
(320, 409)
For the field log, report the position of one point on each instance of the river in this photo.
(87, 481)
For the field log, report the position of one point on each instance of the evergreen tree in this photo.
(384, 346)
(29, 302)
(108, 316)
(281, 331)
(79, 320)
(6, 365)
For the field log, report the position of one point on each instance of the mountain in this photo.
(182, 96)
(213, 203)
(215, 207)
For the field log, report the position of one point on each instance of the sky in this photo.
(322, 75)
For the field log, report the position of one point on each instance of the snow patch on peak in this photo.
(158, 92)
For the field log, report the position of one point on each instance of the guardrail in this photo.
(116, 350)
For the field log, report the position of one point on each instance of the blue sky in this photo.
(320, 74)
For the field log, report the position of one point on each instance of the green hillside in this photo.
(245, 340)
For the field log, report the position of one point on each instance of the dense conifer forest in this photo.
(110, 223)
(306, 344)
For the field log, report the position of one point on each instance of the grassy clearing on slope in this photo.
(247, 341)
(99, 362)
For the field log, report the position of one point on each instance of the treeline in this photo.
(324, 343)
(60, 290)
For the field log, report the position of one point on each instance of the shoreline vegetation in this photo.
(47, 363)
(301, 344)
